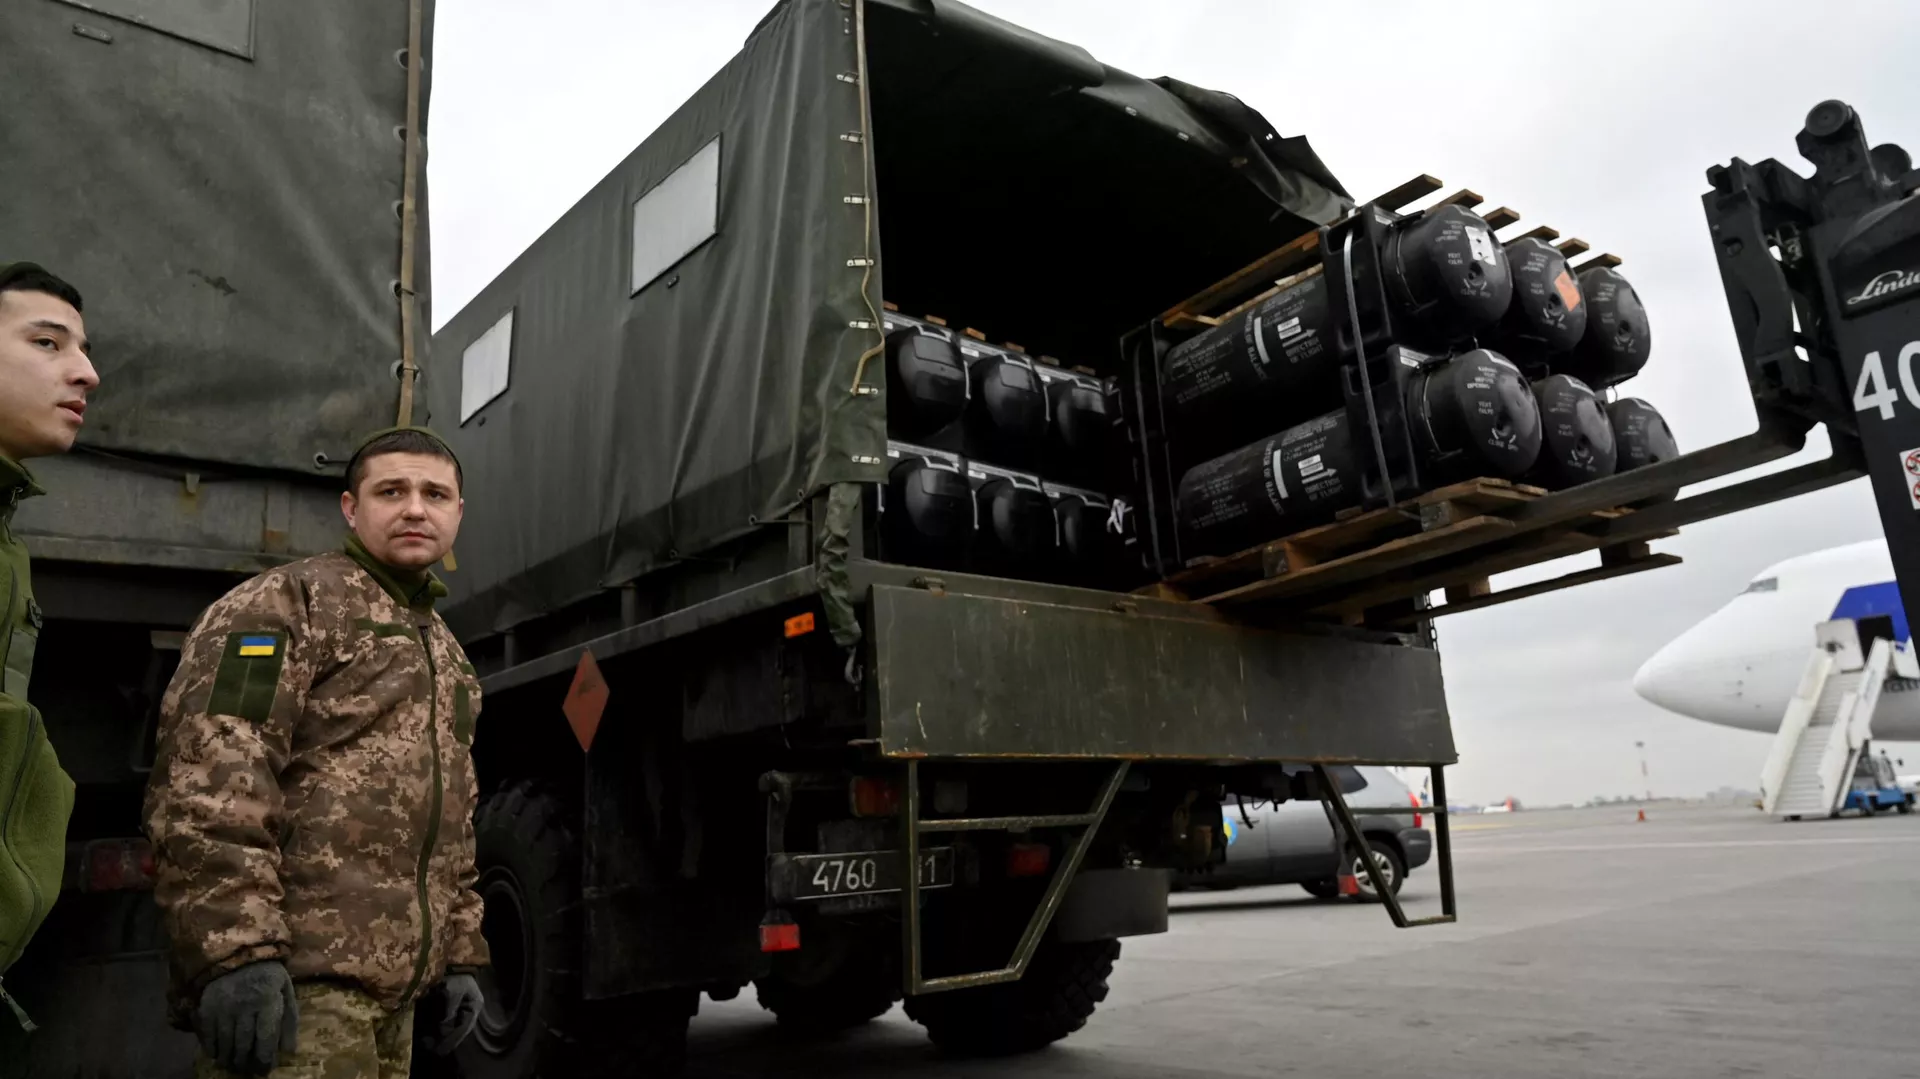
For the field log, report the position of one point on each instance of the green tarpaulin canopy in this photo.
(1009, 181)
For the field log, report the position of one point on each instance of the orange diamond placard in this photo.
(586, 700)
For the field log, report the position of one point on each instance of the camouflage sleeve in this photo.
(213, 806)
(466, 948)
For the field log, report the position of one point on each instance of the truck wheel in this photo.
(1062, 985)
(861, 989)
(536, 1022)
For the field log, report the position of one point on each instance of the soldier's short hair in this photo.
(32, 277)
(400, 440)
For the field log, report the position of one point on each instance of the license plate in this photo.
(873, 872)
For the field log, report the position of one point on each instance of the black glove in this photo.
(463, 1011)
(248, 1018)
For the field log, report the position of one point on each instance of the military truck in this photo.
(236, 189)
(731, 736)
(738, 734)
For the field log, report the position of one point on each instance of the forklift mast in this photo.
(1822, 277)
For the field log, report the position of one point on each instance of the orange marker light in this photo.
(800, 625)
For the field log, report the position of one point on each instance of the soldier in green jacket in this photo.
(45, 377)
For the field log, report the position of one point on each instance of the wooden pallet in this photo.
(1452, 539)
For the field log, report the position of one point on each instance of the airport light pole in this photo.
(1647, 782)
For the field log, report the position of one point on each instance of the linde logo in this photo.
(1886, 284)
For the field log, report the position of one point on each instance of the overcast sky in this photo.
(1599, 119)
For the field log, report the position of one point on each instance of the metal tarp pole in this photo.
(409, 216)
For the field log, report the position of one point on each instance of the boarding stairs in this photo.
(1829, 721)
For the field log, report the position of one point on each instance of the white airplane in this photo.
(1741, 665)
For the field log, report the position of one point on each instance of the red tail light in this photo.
(875, 797)
(1415, 799)
(1028, 859)
(114, 865)
(779, 937)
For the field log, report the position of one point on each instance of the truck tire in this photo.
(536, 1023)
(859, 991)
(1062, 986)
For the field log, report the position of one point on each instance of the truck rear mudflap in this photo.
(1045, 672)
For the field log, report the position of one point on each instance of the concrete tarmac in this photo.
(1706, 942)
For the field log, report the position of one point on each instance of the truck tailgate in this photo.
(962, 675)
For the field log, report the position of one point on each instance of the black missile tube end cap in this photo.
(1090, 548)
(1618, 340)
(1447, 273)
(1577, 443)
(1642, 434)
(1017, 534)
(1082, 424)
(1644, 438)
(1478, 417)
(1008, 414)
(926, 383)
(1548, 314)
(929, 512)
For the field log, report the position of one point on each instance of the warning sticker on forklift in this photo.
(1910, 460)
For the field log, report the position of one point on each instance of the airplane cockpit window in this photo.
(1764, 584)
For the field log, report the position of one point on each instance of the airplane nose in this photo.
(1674, 679)
(1654, 681)
(1690, 679)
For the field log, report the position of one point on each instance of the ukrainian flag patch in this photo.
(248, 678)
(258, 646)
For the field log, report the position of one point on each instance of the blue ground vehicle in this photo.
(1876, 787)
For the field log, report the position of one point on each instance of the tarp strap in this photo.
(409, 215)
(831, 563)
(866, 169)
(835, 545)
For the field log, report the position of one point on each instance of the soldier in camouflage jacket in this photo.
(312, 801)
